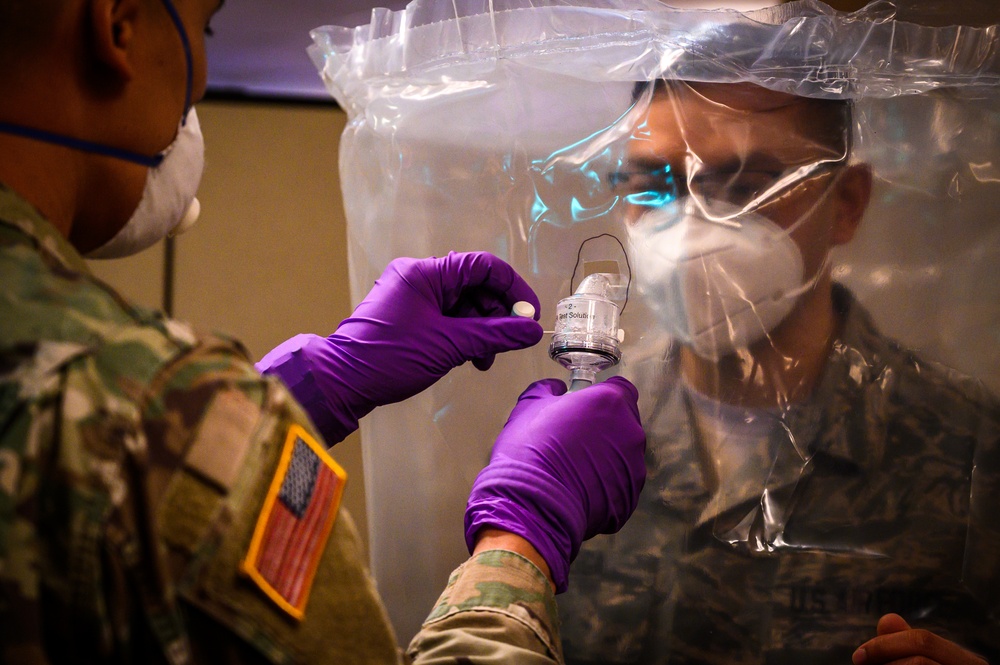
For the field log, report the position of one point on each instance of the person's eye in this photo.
(633, 178)
(649, 188)
(736, 187)
(617, 180)
(747, 188)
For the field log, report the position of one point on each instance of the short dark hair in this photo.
(25, 25)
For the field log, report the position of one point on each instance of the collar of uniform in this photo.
(844, 420)
(843, 423)
(21, 215)
(842, 427)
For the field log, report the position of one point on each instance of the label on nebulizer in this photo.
(587, 315)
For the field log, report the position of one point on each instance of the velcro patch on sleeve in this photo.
(295, 522)
(223, 438)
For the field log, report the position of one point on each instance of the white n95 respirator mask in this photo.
(717, 282)
(168, 205)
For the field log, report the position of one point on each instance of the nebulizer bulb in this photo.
(586, 339)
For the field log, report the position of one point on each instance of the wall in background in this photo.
(268, 257)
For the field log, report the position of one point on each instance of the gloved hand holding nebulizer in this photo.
(565, 468)
(586, 339)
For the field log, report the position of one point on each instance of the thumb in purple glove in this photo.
(565, 468)
(422, 318)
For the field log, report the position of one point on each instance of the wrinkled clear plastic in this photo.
(806, 206)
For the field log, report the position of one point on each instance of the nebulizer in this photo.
(586, 339)
(587, 336)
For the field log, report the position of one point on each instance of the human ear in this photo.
(851, 195)
(112, 32)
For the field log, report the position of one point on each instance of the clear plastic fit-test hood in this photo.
(494, 126)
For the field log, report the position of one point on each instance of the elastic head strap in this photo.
(186, 43)
(80, 144)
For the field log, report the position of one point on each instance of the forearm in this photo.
(498, 607)
(496, 539)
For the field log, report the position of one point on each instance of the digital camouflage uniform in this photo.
(880, 495)
(135, 458)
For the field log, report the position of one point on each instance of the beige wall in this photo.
(268, 256)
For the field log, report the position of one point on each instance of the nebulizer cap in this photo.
(524, 309)
(586, 339)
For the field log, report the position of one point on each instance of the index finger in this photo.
(467, 271)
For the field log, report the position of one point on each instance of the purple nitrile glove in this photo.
(422, 318)
(566, 467)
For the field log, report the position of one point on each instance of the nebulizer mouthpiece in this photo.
(586, 339)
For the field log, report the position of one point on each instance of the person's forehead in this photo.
(745, 97)
(726, 121)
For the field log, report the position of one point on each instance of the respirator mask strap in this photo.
(149, 161)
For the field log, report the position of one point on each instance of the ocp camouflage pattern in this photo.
(113, 542)
(495, 592)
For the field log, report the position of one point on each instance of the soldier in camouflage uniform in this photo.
(805, 484)
(160, 499)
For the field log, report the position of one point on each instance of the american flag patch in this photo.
(293, 526)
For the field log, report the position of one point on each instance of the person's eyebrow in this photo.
(647, 164)
(758, 160)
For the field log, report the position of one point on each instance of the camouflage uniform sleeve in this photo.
(239, 436)
(497, 608)
(141, 466)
